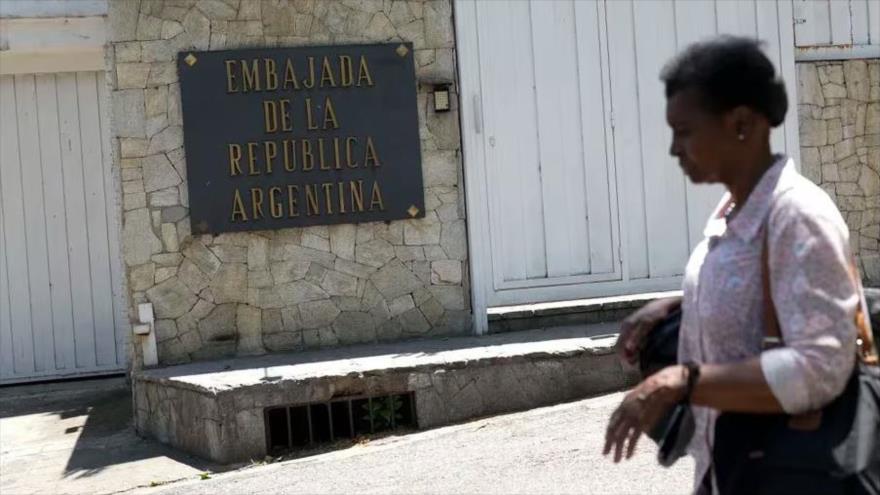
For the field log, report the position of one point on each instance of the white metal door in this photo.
(571, 192)
(669, 213)
(552, 217)
(59, 308)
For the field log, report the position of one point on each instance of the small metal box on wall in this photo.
(291, 137)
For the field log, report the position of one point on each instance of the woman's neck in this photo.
(748, 176)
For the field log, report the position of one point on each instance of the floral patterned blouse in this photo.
(815, 298)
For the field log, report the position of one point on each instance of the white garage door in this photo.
(571, 191)
(59, 313)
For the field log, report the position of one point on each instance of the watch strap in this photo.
(693, 375)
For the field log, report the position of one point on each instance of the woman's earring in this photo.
(741, 137)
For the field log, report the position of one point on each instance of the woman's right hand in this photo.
(635, 327)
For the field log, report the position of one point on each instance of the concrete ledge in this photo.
(215, 409)
(562, 313)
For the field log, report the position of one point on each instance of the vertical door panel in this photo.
(6, 355)
(841, 28)
(736, 17)
(35, 219)
(75, 202)
(814, 22)
(19, 356)
(665, 200)
(559, 138)
(691, 25)
(627, 137)
(510, 117)
(117, 272)
(600, 222)
(787, 70)
(96, 213)
(56, 222)
(768, 32)
(873, 22)
(859, 20)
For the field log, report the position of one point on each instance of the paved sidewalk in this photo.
(76, 437)
(551, 450)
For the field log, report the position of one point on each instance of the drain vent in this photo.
(291, 427)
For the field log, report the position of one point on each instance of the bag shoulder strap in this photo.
(772, 334)
(866, 347)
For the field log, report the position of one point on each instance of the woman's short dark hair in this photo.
(728, 71)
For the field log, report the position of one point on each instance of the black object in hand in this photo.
(660, 348)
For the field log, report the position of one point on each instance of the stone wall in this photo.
(248, 293)
(839, 113)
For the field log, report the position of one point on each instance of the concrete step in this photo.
(216, 409)
(563, 313)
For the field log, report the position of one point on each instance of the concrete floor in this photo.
(551, 450)
(76, 437)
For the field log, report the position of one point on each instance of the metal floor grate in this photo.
(296, 426)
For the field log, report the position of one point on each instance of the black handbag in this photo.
(674, 430)
(660, 348)
(872, 301)
(832, 451)
(762, 454)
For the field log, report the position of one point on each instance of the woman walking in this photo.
(723, 99)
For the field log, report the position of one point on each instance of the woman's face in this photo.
(705, 144)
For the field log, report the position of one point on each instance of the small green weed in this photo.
(381, 412)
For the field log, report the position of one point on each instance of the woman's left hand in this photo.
(642, 407)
